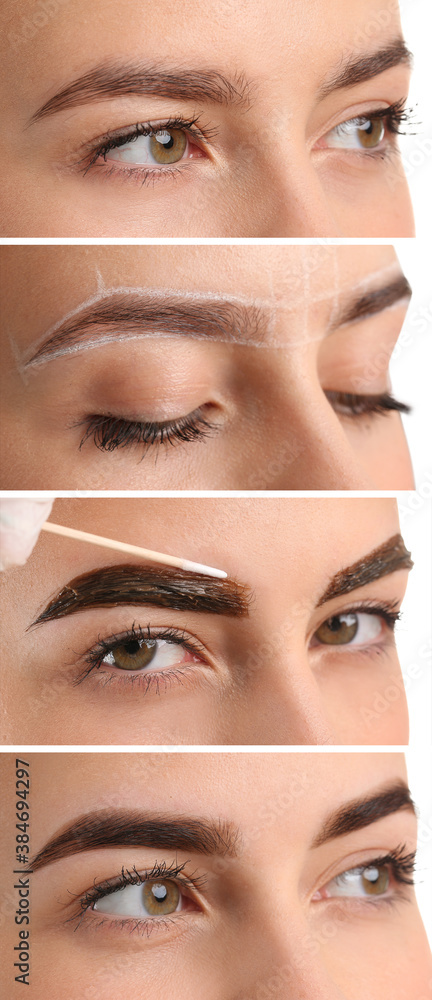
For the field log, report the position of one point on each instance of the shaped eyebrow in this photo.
(372, 301)
(112, 586)
(94, 831)
(387, 558)
(119, 315)
(359, 69)
(110, 80)
(138, 313)
(363, 811)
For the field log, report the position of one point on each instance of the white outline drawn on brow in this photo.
(272, 303)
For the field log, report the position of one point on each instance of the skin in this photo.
(258, 679)
(241, 940)
(274, 427)
(266, 169)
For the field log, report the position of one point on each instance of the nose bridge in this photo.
(293, 702)
(296, 203)
(311, 451)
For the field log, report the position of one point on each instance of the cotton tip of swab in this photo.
(194, 567)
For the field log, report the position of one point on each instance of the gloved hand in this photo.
(20, 524)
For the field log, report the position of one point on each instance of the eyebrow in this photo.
(133, 829)
(110, 80)
(112, 586)
(389, 557)
(121, 315)
(373, 301)
(139, 314)
(362, 812)
(359, 69)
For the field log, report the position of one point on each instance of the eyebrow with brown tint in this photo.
(135, 313)
(388, 558)
(364, 811)
(112, 586)
(134, 829)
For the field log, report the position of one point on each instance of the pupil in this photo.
(132, 647)
(165, 139)
(160, 892)
(334, 624)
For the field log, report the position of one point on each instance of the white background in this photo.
(417, 149)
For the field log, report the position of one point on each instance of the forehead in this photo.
(252, 38)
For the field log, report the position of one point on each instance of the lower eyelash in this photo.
(110, 432)
(350, 404)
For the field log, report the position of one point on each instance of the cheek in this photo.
(366, 702)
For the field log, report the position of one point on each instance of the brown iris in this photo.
(373, 134)
(134, 655)
(375, 881)
(161, 897)
(338, 630)
(168, 145)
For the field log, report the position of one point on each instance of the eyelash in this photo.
(402, 867)
(393, 117)
(400, 862)
(109, 432)
(350, 404)
(162, 679)
(200, 134)
(146, 678)
(160, 871)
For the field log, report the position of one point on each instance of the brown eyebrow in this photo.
(112, 586)
(110, 80)
(359, 69)
(363, 812)
(387, 558)
(132, 829)
(373, 301)
(230, 322)
(216, 319)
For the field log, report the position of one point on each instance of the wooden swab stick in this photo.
(133, 550)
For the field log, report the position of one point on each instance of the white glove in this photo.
(20, 524)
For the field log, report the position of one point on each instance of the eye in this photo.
(151, 899)
(169, 145)
(357, 133)
(372, 881)
(138, 653)
(350, 628)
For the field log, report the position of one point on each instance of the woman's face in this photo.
(290, 877)
(297, 647)
(201, 367)
(252, 119)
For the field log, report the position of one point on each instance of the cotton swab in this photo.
(133, 550)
